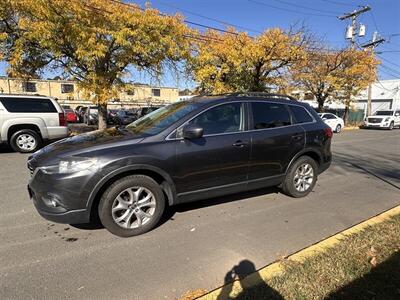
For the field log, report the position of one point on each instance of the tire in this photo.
(289, 186)
(118, 209)
(391, 126)
(338, 128)
(25, 141)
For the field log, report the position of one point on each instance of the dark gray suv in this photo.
(200, 148)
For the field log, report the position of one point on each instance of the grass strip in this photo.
(364, 265)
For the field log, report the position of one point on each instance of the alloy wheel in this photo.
(26, 142)
(303, 177)
(133, 207)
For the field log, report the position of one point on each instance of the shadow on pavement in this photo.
(382, 282)
(239, 272)
(385, 168)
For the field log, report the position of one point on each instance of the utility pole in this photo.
(354, 27)
(352, 31)
(376, 40)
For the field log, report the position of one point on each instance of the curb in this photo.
(276, 268)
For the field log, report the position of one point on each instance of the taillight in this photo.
(61, 119)
(328, 132)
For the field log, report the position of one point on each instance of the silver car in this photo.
(27, 121)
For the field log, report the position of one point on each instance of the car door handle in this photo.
(240, 144)
(297, 137)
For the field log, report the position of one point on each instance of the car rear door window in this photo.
(224, 118)
(300, 114)
(269, 115)
(28, 105)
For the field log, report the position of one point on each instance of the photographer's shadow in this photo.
(261, 290)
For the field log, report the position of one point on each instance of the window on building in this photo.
(29, 87)
(300, 114)
(156, 92)
(28, 105)
(67, 88)
(130, 91)
(269, 115)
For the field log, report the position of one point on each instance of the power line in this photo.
(338, 3)
(208, 18)
(388, 61)
(289, 10)
(393, 71)
(374, 20)
(306, 7)
(186, 21)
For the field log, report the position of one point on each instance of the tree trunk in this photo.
(320, 104)
(346, 114)
(103, 116)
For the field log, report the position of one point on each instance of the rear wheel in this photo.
(338, 128)
(301, 177)
(131, 206)
(25, 141)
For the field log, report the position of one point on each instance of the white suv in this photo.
(383, 119)
(27, 121)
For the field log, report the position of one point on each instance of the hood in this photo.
(86, 142)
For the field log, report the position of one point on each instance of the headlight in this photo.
(387, 119)
(71, 165)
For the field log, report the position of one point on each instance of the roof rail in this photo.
(258, 94)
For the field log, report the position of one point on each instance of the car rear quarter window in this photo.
(269, 115)
(300, 114)
(28, 105)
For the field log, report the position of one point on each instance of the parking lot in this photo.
(196, 244)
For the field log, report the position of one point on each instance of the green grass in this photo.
(365, 265)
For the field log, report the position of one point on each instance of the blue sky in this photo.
(318, 15)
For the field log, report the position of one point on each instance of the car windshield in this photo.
(384, 113)
(162, 118)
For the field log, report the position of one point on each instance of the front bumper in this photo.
(61, 198)
(376, 125)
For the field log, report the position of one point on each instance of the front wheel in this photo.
(301, 177)
(391, 126)
(131, 206)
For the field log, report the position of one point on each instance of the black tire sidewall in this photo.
(34, 134)
(288, 185)
(117, 187)
(338, 128)
(391, 126)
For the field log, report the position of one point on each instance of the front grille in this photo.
(374, 120)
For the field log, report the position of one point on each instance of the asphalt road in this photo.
(198, 243)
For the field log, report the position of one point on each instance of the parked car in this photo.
(142, 111)
(70, 116)
(190, 150)
(125, 117)
(27, 121)
(333, 121)
(80, 111)
(387, 119)
(112, 117)
(91, 116)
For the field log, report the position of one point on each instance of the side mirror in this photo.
(192, 132)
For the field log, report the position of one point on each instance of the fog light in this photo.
(54, 203)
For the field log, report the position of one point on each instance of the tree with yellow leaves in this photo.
(357, 72)
(94, 41)
(234, 61)
(339, 74)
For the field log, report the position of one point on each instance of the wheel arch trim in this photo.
(167, 185)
